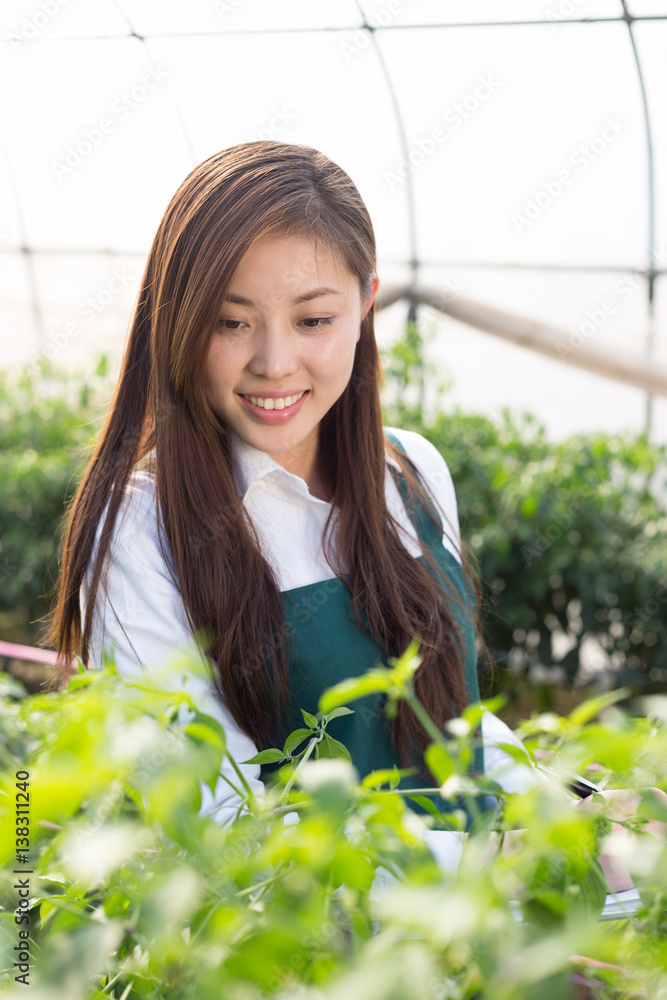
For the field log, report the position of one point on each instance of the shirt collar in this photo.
(250, 465)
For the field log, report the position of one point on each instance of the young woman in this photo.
(244, 499)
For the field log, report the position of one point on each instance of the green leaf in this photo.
(392, 775)
(293, 740)
(84, 679)
(204, 734)
(516, 753)
(592, 893)
(439, 763)
(271, 756)
(329, 747)
(337, 712)
(208, 722)
(590, 708)
(428, 804)
(473, 713)
(310, 720)
(356, 687)
(351, 867)
(651, 807)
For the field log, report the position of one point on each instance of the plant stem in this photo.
(263, 885)
(437, 737)
(111, 982)
(412, 791)
(231, 784)
(245, 784)
(290, 807)
(425, 719)
(309, 749)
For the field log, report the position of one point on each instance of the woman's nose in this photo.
(275, 353)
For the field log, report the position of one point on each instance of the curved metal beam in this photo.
(551, 341)
(177, 111)
(403, 139)
(651, 273)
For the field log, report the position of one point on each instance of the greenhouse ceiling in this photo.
(511, 155)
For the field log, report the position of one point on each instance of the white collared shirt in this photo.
(141, 616)
(290, 520)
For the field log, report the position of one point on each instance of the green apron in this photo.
(328, 646)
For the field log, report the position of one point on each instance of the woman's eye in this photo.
(317, 321)
(229, 324)
(311, 323)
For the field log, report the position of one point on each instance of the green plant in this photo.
(47, 422)
(570, 536)
(133, 894)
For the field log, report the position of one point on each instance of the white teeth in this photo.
(274, 404)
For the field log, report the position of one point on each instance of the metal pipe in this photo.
(534, 335)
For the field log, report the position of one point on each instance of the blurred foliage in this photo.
(571, 537)
(132, 892)
(47, 421)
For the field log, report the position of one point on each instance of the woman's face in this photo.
(283, 350)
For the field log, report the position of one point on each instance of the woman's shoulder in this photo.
(139, 501)
(434, 473)
(428, 461)
(136, 526)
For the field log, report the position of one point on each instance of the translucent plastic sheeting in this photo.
(512, 158)
(151, 16)
(105, 158)
(481, 11)
(104, 17)
(522, 147)
(646, 8)
(24, 21)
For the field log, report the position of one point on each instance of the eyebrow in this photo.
(306, 297)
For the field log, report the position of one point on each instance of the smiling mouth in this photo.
(280, 403)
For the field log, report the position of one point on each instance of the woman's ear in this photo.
(374, 284)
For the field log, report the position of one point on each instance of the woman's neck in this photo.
(305, 462)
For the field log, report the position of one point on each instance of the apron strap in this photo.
(430, 535)
(417, 513)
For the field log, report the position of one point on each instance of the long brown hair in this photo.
(231, 597)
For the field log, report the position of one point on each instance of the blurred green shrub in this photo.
(571, 537)
(130, 893)
(47, 422)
